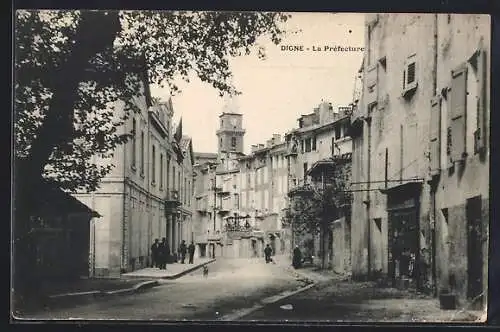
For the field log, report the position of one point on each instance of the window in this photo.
(371, 45)
(153, 164)
(134, 142)
(233, 142)
(457, 113)
(410, 75)
(236, 201)
(168, 170)
(173, 178)
(221, 142)
(308, 144)
(434, 136)
(337, 132)
(477, 98)
(186, 191)
(142, 153)
(305, 170)
(314, 143)
(302, 146)
(161, 170)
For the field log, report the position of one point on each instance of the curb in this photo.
(98, 293)
(194, 268)
(134, 289)
(269, 300)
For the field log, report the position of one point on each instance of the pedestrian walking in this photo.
(164, 254)
(297, 257)
(183, 251)
(267, 253)
(191, 250)
(155, 250)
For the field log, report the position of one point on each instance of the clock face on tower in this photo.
(234, 121)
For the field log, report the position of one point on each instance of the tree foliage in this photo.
(115, 49)
(314, 207)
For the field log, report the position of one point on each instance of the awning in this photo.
(404, 189)
(328, 164)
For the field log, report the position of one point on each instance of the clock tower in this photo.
(230, 133)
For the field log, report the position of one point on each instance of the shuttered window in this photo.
(457, 113)
(435, 136)
(480, 133)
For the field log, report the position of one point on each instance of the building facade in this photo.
(419, 134)
(139, 200)
(203, 221)
(321, 136)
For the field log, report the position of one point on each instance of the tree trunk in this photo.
(96, 32)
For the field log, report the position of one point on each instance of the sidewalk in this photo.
(69, 293)
(173, 271)
(51, 295)
(310, 273)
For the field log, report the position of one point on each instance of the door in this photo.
(474, 250)
(403, 243)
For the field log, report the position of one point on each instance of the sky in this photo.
(277, 90)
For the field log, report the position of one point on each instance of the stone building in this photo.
(420, 164)
(240, 198)
(321, 135)
(141, 199)
(203, 222)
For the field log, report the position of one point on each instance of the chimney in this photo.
(254, 147)
(277, 138)
(261, 146)
(269, 143)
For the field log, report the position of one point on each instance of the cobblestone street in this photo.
(231, 285)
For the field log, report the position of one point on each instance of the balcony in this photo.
(371, 83)
(201, 204)
(225, 206)
(302, 188)
(291, 152)
(172, 199)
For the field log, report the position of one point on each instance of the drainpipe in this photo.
(92, 272)
(368, 177)
(149, 178)
(323, 222)
(124, 206)
(434, 189)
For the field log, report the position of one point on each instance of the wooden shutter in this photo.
(482, 128)
(435, 136)
(457, 113)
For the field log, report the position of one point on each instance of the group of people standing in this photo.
(160, 253)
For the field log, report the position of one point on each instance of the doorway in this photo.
(474, 250)
(254, 248)
(403, 245)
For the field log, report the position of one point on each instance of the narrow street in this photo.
(232, 284)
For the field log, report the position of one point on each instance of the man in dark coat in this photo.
(155, 250)
(297, 257)
(191, 250)
(267, 253)
(164, 253)
(183, 250)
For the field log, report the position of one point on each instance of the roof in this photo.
(205, 155)
(230, 113)
(187, 145)
(54, 201)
